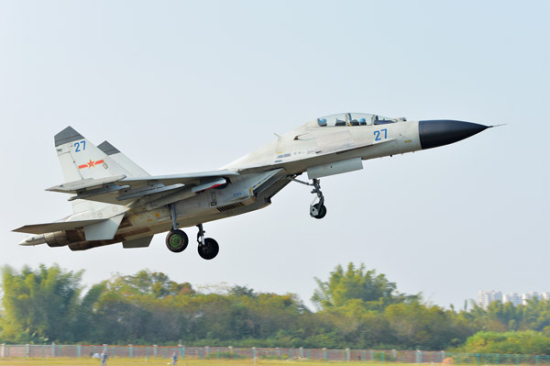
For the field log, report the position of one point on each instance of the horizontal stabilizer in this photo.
(56, 226)
(79, 185)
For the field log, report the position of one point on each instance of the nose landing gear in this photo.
(316, 210)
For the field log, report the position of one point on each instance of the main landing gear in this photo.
(177, 240)
(316, 210)
(208, 247)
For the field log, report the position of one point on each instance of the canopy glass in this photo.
(353, 119)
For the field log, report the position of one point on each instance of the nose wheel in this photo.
(317, 210)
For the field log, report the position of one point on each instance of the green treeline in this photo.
(357, 308)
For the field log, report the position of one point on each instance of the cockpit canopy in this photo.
(355, 119)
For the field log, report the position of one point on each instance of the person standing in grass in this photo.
(174, 359)
(103, 358)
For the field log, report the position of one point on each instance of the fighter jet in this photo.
(116, 201)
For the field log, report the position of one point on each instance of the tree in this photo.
(145, 307)
(534, 315)
(238, 291)
(417, 325)
(39, 305)
(376, 291)
(145, 282)
(358, 309)
(85, 327)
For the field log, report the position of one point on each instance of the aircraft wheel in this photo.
(321, 211)
(177, 241)
(209, 250)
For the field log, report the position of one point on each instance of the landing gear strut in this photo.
(317, 210)
(208, 247)
(176, 240)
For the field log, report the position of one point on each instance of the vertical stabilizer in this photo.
(133, 170)
(80, 159)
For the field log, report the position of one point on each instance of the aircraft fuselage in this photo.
(132, 210)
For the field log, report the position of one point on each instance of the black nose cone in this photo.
(443, 132)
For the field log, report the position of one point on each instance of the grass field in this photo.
(62, 361)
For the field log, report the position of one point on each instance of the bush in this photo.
(225, 355)
(526, 342)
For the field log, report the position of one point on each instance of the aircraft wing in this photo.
(121, 190)
(94, 229)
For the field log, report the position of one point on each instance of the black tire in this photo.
(176, 241)
(209, 250)
(322, 211)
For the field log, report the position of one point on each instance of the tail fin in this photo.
(132, 168)
(80, 159)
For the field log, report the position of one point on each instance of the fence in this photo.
(299, 354)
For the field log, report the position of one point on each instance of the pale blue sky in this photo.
(190, 86)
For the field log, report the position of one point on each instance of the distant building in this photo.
(513, 297)
(484, 298)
